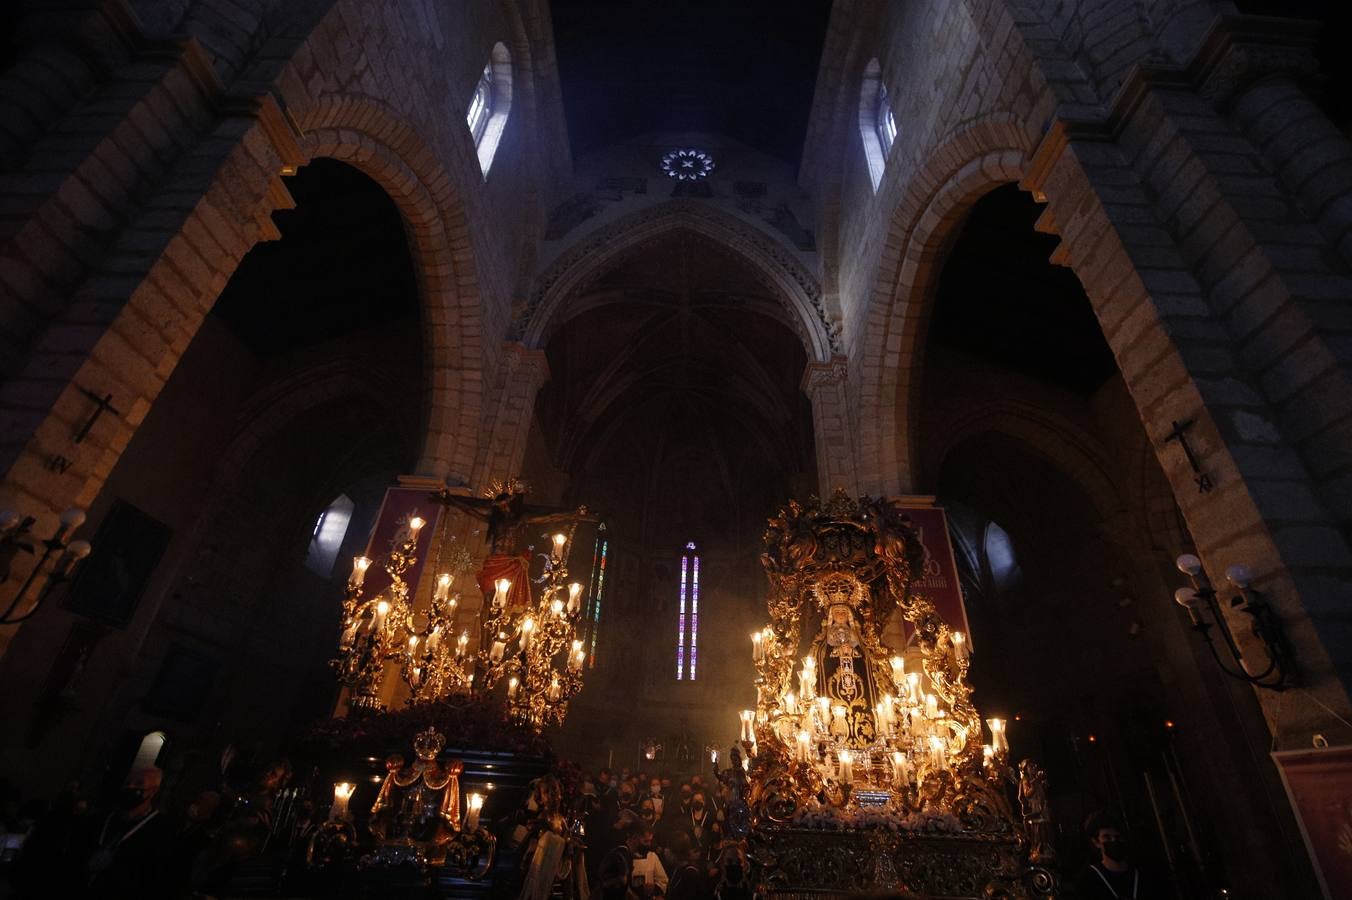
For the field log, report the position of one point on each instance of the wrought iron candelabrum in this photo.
(535, 648)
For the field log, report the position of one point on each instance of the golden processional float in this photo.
(865, 768)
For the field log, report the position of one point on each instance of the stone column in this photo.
(825, 386)
(510, 409)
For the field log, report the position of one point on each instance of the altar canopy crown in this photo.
(428, 744)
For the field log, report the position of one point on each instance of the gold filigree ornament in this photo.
(867, 761)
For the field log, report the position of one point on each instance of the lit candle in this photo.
(899, 773)
(807, 678)
(554, 690)
(938, 759)
(824, 712)
(474, 804)
(748, 731)
(512, 684)
(527, 631)
(846, 767)
(412, 643)
(342, 792)
(713, 757)
(913, 687)
(349, 634)
(757, 650)
(461, 643)
(359, 566)
(987, 755)
(960, 648)
(575, 658)
(559, 540)
(898, 671)
(804, 746)
(790, 704)
(443, 588)
(999, 740)
(557, 608)
(415, 525)
(501, 586)
(574, 597)
(931, 706)
(378, 621)
(495, 653)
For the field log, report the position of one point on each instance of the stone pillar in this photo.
(825, 386)
(510, 409)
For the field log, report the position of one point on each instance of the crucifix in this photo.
(102, 405)
(1180, 434)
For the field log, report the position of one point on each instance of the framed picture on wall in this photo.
(127, 547)
(182, 685)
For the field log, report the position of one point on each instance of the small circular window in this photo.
(687, 165)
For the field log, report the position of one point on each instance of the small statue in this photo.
(736, 813)
(419, 805)
(1036, 817)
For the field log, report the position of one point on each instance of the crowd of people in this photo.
(640, 835)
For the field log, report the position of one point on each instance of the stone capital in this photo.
(818, 375)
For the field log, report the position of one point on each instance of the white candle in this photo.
(913, 687)
(559, 540)
(359, 566)
(474, 804)
(415, 525)
(804, 746)
(342, 793)
(899, 774)
(748, 730)
(554, 690)
(987, 755)
(790, 704)
(824, 713)
(931, 706)
(443, 588)
(527, 631)
(757, 651)
(575, 658)
(938, 759)
(898, 671)
(574, 595)
(501, 587)
(807, 679)
(557, 609)
(382, 610)
(960, 648)
(495, 653)
(999, 740)
(461, 643)
(349, 634)
(434, 640)
(846, 766)
(512, 684)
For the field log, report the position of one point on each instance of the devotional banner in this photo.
(939, 581)
(399, 506)
(1319, 784)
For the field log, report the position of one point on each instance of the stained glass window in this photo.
(687, 622)
(597, 588)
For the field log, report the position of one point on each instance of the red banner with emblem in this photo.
(1319, 785)
(399, 506)
(939, 579)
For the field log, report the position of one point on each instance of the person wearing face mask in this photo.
(700, 826)
(1114, 874)
(632, 870)
(129, 859)
(656, 795)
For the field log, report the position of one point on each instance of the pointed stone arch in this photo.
(591, 256)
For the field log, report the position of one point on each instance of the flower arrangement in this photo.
(470, 723)
(821, 817)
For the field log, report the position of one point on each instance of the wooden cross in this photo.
(1179, 434)
(103, 404)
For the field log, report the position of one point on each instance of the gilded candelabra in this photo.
(535, 648)
(384, 629)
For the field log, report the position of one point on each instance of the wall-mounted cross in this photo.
(1180, 434)
(103, 404)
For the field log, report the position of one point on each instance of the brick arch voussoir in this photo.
(364, 134)
(924, 225)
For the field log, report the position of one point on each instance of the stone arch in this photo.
(1058, 440)
(360, 131)
(924, 226)
(590, 256)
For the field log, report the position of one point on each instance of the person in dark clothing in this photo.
(132, 843)
(60, 835)
(1114, 875)
(690, 879)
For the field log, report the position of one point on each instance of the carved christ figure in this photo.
(508, 518)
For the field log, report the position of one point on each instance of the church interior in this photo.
(577, 448)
